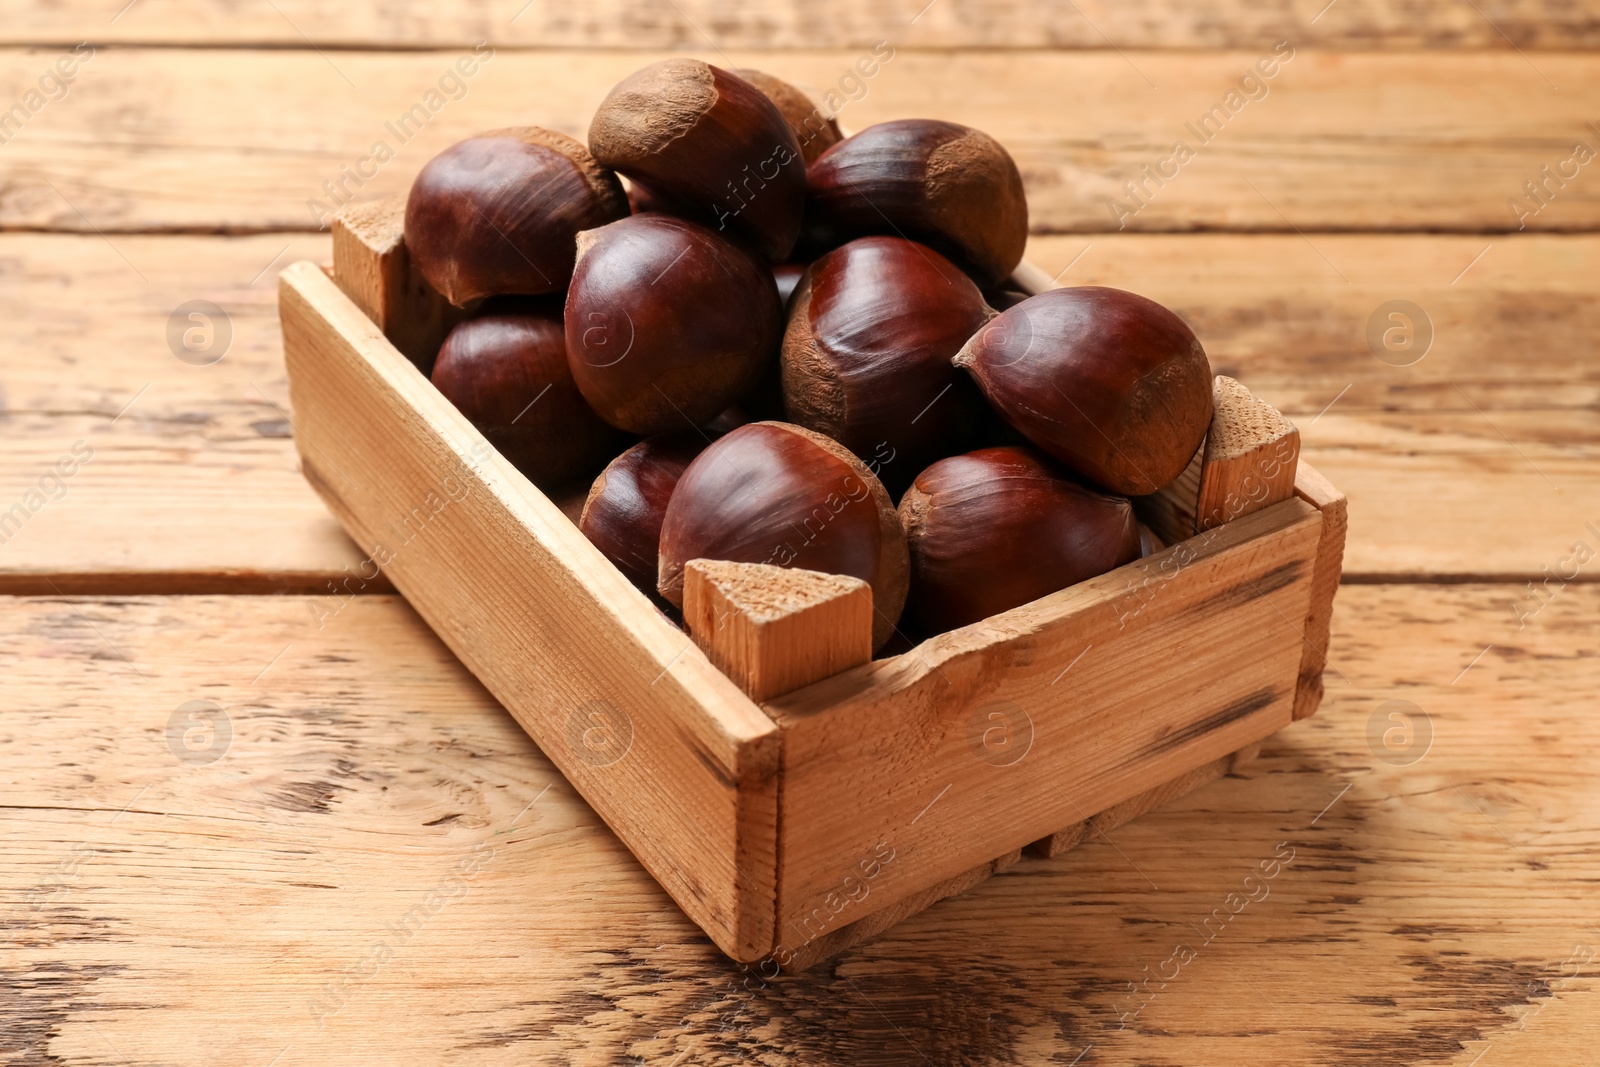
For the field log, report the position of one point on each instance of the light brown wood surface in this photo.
(1498, 24)
(205, 140)
(154, 911)
(1427, 917)
(200, 466)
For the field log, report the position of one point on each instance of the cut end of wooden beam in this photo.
(379, 225)
(371, 265)
(774, 629)
(1247, 462)
(1241, 422)
(1250, 456)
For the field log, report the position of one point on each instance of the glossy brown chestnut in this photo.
(506, 370)
(622, 515)
(866, 355)
(710, 140)
(667, 323)
(774, 493)
(945, 185)
(815, 131)
(1000, 527)
(499, 213)
(1112, 384)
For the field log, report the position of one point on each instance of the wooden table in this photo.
(366, 861)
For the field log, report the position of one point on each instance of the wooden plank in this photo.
(862, 930)
(774, 629)
(679, 762)
(372, 266)
(1031, 713)
(1383, 24)
(1246, 462)
(158, 913)
(836, 942)
(1248, 459)
(1321, 494)
(1121, 814)
(200, 462)
(1510, 317)
(239, 140)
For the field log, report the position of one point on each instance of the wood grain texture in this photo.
(239, 141)
(158, 912)
(1063, 841)
(773, 629)
(1028, 713)
(1323, 495)
(201, 467)
(373, 266)
(1248, 459)
(679, 762)
(1092, 24)
(836, 942)
(1246, 462)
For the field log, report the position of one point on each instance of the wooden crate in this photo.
(790, 794)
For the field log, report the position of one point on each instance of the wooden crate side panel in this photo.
(674, 758)
(1317, 491)
(989, 738)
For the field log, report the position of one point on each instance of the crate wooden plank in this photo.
(1384, 24)
(678, 761)
(1314, 489)
(972, 722)
(195, 913)
(773, 629)
(244, 141)
(200, 463)
(372, 266)
(1246, 462)
(1142, 804)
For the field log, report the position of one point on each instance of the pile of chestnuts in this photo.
(768, 343)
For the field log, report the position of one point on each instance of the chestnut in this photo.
(499, 213)
(1000, 527)
(623, 512)
(948, 186)
(867, 352)
(1112, 384)
(815, 131)
(506, 370)
(706, 138)
(667, 323)
(774, 493)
